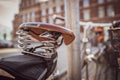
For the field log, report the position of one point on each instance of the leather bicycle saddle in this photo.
(38, 28)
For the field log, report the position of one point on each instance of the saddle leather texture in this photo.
(27, 67)
(39, 28)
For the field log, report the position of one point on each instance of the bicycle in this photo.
(87, 54)
(113, 50)
(39, 42)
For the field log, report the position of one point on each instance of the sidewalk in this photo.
(9, 50)
(6, 52)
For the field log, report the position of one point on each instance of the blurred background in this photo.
(15, 12)
(100, 13)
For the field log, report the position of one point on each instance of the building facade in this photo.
(34, 10)
(99, 10)
(90, 10)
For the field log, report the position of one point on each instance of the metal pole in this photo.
(72, 22)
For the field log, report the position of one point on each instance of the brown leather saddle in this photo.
(38, 28)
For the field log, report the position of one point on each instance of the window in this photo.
(58, 9)
(86, 3)
(43, 12)
(44, 20)
(86, 14)
(100, 1)
(50, 19)
(50, 11)
(23, 18)
(101, 12)
(33, 16)
(110, 11)
(28, 16)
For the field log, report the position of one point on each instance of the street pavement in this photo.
(6, 52)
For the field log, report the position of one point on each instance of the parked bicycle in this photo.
(113, 50)
(39, 42)
(91, 51)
